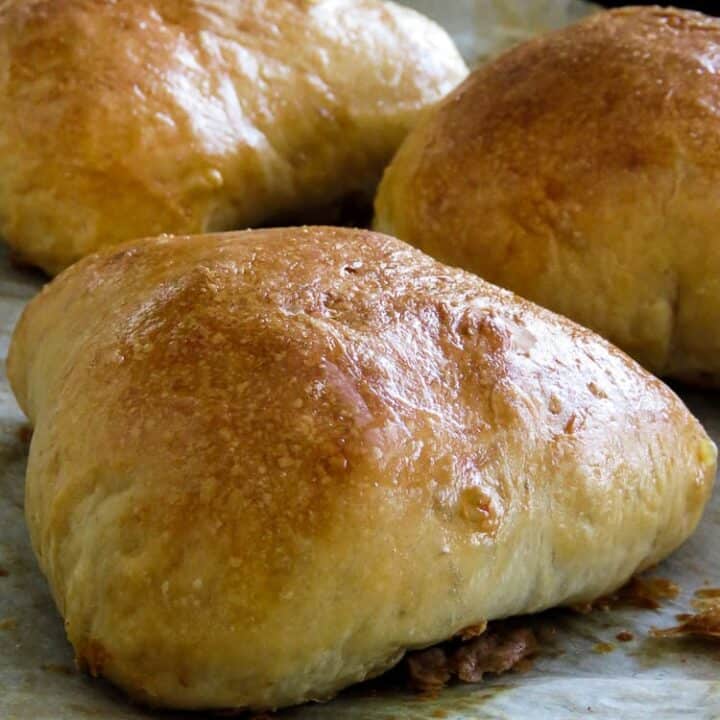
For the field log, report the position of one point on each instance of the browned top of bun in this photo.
(578, 170)
(120, 120)
(266, 463)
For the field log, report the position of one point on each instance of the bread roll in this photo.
(582, 171)
(121, 120)
(266, 464)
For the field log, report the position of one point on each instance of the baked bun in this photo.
(265, 464)
(582, 170)
(121, 120)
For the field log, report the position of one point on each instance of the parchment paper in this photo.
(483, 28)
(571, 679)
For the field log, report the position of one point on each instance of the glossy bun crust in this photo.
(265, 464)
(120, 120)
(582, 170)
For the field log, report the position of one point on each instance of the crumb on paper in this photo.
(639, 592)
(9, 623)
(704, 623)
(624, 636)
(3, 572)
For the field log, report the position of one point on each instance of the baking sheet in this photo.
(572, 678)
(483, 28)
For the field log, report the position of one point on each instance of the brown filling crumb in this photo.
(498, 650)
(625, 636)
(472, 631)
(643, 593)
(92, 658)
(705, 623)
(24, 433)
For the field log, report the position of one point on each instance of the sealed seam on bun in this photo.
(582, 171)
(123, 120)
(266, 464)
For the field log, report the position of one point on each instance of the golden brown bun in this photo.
(267, 463)
(582, 170)
(122, 120)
